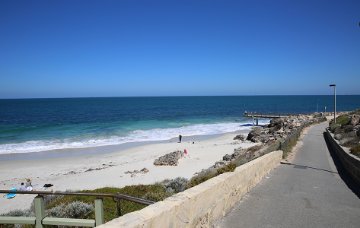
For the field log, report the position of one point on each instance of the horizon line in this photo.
(256, 95)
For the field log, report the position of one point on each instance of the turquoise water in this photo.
(33, 125)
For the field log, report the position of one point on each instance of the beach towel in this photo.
(12, 194)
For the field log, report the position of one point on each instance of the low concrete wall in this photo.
(349, 162)
(201, 205)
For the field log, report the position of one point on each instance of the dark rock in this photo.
(144, 170)
(239, 137)
(238, 152)
(169, 159)
(348, 128)
(275, 128)
(253, 134)
(346, 140)
(350, 134)
(219, 164)
(338, 136)
(134, 172)
(338, 130)
(227, 157)
(175, 185)
(264, 138)
(276, 122)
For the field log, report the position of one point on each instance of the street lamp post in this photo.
(333, 85)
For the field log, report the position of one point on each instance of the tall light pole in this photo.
(333, 85)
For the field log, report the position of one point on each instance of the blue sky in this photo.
(170, 48)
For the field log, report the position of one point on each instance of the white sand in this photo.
(71, 173)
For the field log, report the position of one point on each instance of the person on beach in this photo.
(180, 137)
(28, 185)
(22, 187)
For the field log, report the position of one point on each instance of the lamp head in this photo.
(332, 85)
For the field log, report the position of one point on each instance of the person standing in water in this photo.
(180, 137)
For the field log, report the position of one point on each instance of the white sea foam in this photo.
(135, 136)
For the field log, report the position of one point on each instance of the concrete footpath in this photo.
(307, 192)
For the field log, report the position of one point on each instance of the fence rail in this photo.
(40, 219)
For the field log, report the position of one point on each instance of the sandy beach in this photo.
(109, 169)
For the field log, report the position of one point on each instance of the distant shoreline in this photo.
(101, 150)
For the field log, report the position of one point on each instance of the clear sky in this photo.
(169, 48)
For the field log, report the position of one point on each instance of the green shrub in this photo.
(343, 120)
(153, 192)
(18, 213)
(334, 126)
(227, 168)
(76, 209)
(201, 177)
(355, 150)
(175, 185)
(157, 196)
(240, 161)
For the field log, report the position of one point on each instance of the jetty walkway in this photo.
(263, 115)
(256, 116)
(306, 192)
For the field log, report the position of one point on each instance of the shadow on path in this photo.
(345, 176)
(307, 167)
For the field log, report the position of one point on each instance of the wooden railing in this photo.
(40, 218)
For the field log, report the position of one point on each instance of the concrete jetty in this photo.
(256, 116)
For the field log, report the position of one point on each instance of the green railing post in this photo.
(39, 211)
(99, 212)
(118, 207)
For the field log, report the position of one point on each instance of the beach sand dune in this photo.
(111, 169)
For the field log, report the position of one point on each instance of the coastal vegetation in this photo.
(82, 206)
(347, 131)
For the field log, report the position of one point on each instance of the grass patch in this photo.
(290, 142)
(227, 168)
(201, 177)
(210, 173)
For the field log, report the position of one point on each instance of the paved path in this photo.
(307, 193)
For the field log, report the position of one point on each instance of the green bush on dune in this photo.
(355, 150)
(343, 120)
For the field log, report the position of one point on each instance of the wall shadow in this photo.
(343, 173)
(307, 167)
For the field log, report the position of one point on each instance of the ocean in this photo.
(35, 125)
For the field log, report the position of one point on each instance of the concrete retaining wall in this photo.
(201, 205)
(349, 162)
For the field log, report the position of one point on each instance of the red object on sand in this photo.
(185, 151)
